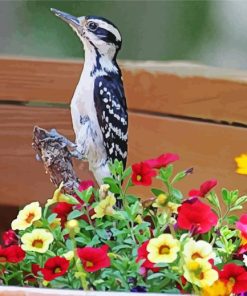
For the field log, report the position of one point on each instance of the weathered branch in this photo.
(56, 159)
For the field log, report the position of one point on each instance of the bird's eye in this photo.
(92, 26)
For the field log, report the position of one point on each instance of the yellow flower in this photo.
(103, 191)
(164, 205)
(163, 249)
(219, 288)
(27, 216)
(55, 223)
(198, 249)
(138, 219)
(69, 255)
(242, 164)
(58, 196)
(38, 240)
(105, 207)
(200, 272)
(160, 201)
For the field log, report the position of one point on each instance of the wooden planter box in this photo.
(16, 291)
(196, 111)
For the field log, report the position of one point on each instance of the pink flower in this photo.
(162, 161)
(242, 225)
(196, 216)
(204, 188)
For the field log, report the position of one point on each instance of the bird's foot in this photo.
(60, 138)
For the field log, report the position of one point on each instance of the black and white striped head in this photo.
(95, 32)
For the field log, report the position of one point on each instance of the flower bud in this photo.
(73, 226)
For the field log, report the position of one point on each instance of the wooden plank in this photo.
(28, 291)
(209, 148)
(178, 89)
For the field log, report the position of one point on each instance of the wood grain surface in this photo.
(180, 89)
(209, 148)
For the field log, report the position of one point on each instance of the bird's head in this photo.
(96, 33)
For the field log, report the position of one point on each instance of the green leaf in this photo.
(126, 173)
(176, 193)
(51, 218)
(102, 233)
(113, 185)
(155, 276)
(157, 191)
(232, 220)
(74, 214)
(165, 173)
(179, 176)
(226, 195)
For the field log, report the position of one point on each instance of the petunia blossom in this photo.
(142, 174)
(204, 188)
(62, 209)
(163, 249)
(142, 254)
(241, 224)
(26, 216)
(94, 259)
(9, 237)
(12, 254)
(38, 240)
(235, 274)
(55, 267)
(162, 161)
(196, 216)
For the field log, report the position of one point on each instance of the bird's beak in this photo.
(70, 19)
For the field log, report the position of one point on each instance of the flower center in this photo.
(196, 255)
(232, 280)
(30, 217)
(89, 264)
(3, 259)
(57, 269)
(38, 243)
(138, 177)
(164, 250)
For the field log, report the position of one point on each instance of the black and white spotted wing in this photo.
(111, 108)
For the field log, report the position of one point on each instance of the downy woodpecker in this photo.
(98, 107)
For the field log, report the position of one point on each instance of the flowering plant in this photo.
(108, 239)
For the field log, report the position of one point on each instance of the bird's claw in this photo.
(55, 135)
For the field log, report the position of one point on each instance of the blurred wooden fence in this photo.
(196, 111)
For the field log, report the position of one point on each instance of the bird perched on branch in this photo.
(98, 107)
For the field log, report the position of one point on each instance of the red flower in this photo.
(62, 209)
(9, 238)
(242, 225)
(94, 259)
(162, 161)
(196, 216)
(55, 267)
(235, 274)
(84, 185)
(12, 254)
(142, 253)
(32, 277)
(142, 174)
(204, 188)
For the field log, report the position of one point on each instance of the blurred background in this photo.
(208, 32)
